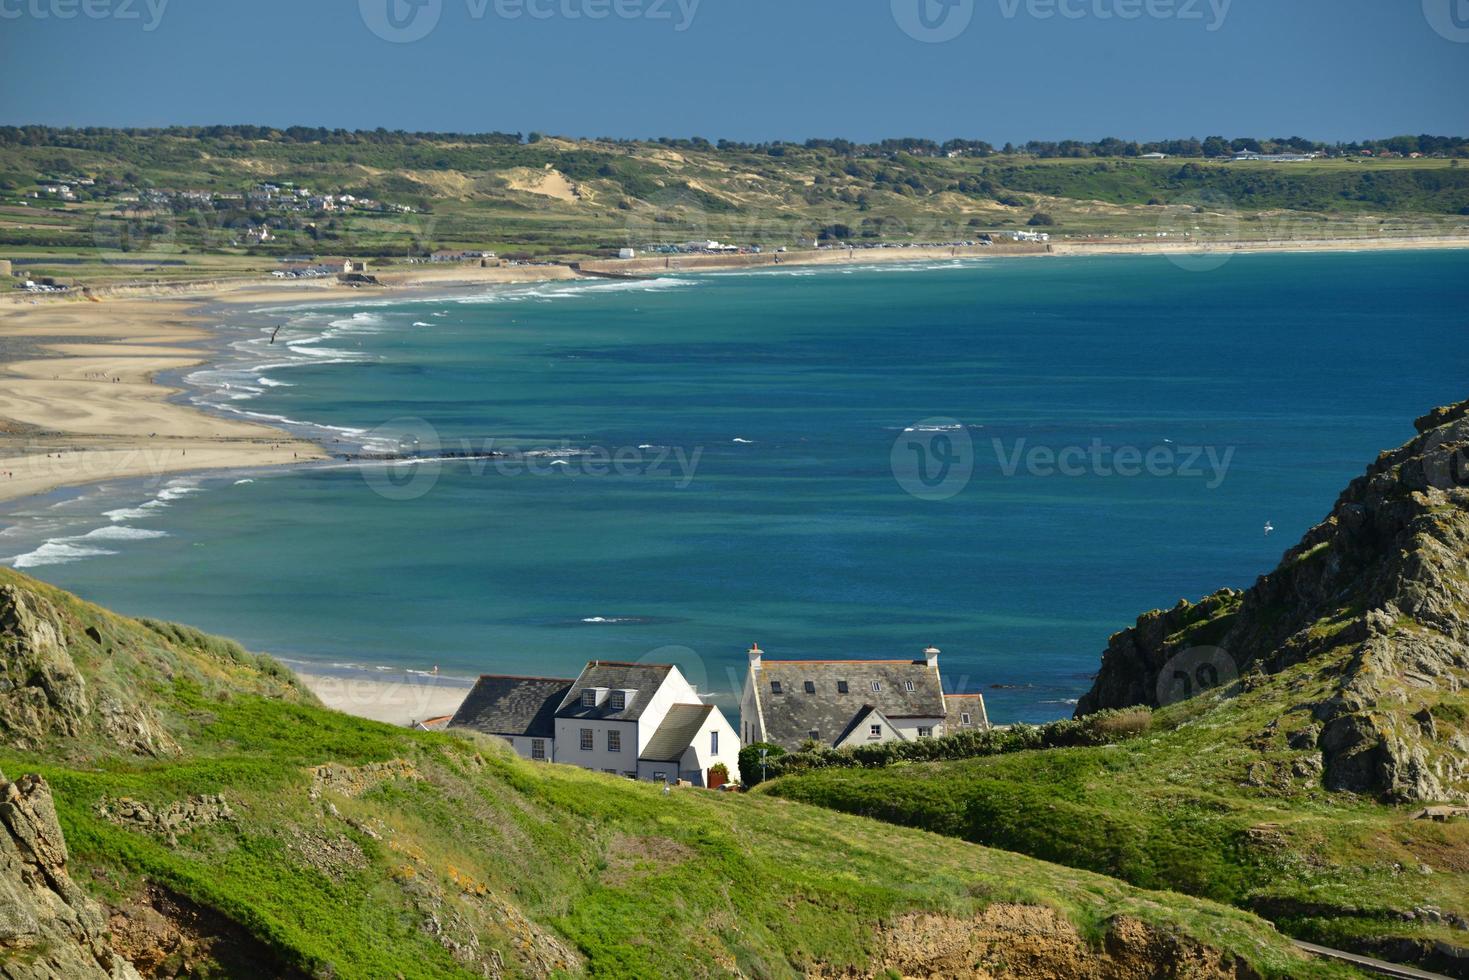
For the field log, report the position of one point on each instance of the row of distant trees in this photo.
(94, 137)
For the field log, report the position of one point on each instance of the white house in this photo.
(840, 703)
(642, 721)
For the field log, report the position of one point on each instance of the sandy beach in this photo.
(397, 702)
(79, 402)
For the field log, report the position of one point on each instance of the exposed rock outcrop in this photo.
(170, 821)
(48, 927)
(43, 695)
(1378, 593)
(1032, 941)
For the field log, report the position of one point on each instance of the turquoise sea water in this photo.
(757, 472)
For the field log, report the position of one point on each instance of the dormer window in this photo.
(810, 687)
(589, 698)
(775, 687)
(619, 700)
(842, 687)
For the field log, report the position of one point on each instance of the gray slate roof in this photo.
(958, 704)
(679, 727)
(793, 714)
(643, 678)
(513, 706)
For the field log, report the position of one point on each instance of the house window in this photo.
(810, 687)
(610, 772)
(877, 687)
(925, 732)
(841, 687)
(964, 717)
(814, 734)
(713, 743)
(874, 731)
(908, 685)
(614, 741)
(588, 699)
(537, 748)
(775, 687)
(629, 775)
(586, 740)
(619, 700)
(660, 777)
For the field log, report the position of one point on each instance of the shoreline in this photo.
(83, 402)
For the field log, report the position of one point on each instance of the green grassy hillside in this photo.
(232, 826)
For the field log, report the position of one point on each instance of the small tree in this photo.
(1041, 220)
(750, 763)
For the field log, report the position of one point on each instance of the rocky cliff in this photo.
(48, 927)
(1377, 595)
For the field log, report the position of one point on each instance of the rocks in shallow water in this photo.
(49, 929)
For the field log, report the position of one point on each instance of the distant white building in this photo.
(1030, 236)
(627, 253)
(1153, 156)
(641, 721)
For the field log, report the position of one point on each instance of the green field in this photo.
(568, 199)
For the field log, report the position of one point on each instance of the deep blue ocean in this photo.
(1009, 459)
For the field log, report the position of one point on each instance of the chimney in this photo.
(755, 654)
(931, 657)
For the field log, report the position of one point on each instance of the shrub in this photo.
(1101, 728)
(1041, 219)
(750, 761)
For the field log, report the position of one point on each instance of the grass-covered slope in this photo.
(1296, 791)
(243, 829)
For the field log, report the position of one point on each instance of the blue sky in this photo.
(749, 69)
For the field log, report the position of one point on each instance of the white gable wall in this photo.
(908, 727)
(698, 757)
(860, 734)
(674, 690)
